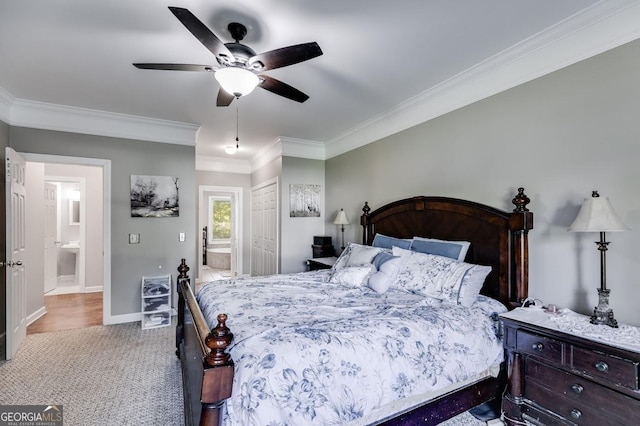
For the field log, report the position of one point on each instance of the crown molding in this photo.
(42, 115)
(280, 147)
(6, 100)
(267, 154)
(303, 148)
(604, 26)
(222, 164)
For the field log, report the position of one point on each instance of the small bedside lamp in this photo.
(597, 215)
(341, 219)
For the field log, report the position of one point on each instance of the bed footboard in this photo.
(207, 370)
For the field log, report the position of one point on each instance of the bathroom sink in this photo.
(72, 247)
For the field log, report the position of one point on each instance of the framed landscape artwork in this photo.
(154, 196)
(304, 200)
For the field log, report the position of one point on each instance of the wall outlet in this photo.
(134, 238)
(181, 237)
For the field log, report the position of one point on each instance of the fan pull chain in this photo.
(237, 140)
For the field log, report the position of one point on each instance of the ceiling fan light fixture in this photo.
(236, 81)
(230, 149)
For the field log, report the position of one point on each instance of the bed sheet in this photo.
(307, 351)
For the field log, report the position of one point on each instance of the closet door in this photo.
(264, 229)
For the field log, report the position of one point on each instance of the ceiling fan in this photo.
(239, 69)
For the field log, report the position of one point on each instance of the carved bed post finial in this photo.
(183, 269)
(218, 340)
(364, 221)
(520, 222)
(521, 201)
(366, 209)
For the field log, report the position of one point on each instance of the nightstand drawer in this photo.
(576, 412)
(613, 369)
(583, 394)
(540, 346)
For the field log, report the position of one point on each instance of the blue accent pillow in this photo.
(381, 258)
(451, 249)
(389, 242)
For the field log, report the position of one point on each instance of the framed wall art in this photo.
(154, 196)
(304, 200)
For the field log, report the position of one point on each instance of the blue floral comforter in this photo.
(311, 352)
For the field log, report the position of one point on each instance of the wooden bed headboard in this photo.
(498, 238)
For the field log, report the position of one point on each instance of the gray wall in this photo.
(296, 233)
(4, 142)
(236, 180)
(560, 136)
(159, 251)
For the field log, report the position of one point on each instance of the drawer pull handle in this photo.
(537, 347)
(602, 366)
(576, 388)
(576, 414)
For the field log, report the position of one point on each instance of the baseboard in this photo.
(121, 319)
(93, 289)
(36, 315)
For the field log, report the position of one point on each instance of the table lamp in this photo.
(597, 215)
(341, 219)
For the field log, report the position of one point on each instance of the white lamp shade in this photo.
(236, 81)
(597, 215)
(230, 149)
(341, 218)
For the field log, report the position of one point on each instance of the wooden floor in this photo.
(67, 311)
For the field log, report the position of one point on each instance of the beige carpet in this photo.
(107, 375)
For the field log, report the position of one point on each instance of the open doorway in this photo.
(65, 228)
(79, 250)
(220, 244)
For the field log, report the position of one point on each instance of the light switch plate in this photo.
(134, 238)
(181, 237)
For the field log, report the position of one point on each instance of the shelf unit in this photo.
(156, 301)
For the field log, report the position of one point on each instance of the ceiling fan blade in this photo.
(282, 89)
(203, 33)
(284, 56)
(224, 98)
(175, 67)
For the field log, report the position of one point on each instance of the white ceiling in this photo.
(386, 65)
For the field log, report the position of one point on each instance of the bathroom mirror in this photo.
(74, 212)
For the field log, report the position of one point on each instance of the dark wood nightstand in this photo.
(570, 377)
(320, 263)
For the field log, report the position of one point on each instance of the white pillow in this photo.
(353, 276)
(472, 284)
(362, 255)
(341, 261)
(432, 276)
(397, 251)
(382, 280)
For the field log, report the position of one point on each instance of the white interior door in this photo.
(256, 233)
(264, 230)
(234, 236)
(50, 237)
(16, 251)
